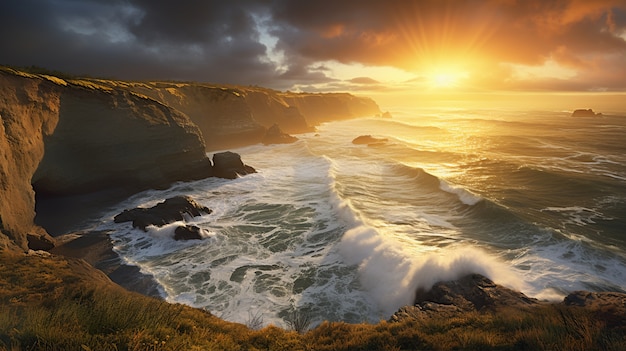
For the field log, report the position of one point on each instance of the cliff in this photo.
(71, 137)
(232, 116)
(60, 138)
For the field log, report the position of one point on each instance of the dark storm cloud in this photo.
(220, 41)
(194, 40)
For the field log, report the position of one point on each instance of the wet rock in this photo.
(228, 165)
(473, 292)
(171, 210)
(188, 232)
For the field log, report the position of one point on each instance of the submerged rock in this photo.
(228, 165)
(171, 210)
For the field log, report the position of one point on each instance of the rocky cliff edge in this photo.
(63, 137)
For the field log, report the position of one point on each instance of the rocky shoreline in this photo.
(63, 139)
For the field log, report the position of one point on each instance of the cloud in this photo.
(364, 80)
(284, 43)
(137, 39)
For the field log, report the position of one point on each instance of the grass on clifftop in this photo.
(55, 303)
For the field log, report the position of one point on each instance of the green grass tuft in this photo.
(55, 303)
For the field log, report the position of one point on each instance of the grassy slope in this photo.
(57, 303)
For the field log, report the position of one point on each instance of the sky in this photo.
(390, 47)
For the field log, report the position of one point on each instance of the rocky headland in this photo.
(63, 138)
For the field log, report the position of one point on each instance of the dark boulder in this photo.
(473, 292)
(275, 135)
(188, 232)
(228, 165)
(171, 210)
(368, 140)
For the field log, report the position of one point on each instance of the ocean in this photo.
(534, 200)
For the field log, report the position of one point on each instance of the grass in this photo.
(56, 303)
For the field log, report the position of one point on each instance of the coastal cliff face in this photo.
(111, 138)
(221, 113)
(29, 110)
(320, 108)
(237, 116)
(233, 116)
(65, 137)
(61, 138)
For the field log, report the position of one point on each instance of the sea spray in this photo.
(392, 274)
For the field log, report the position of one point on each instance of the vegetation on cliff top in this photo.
(57, 303)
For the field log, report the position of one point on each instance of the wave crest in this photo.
(392, 274)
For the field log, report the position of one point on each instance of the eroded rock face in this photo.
(171, 210)
(29, 111)
(110, 139)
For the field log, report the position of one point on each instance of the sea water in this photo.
(536, 201)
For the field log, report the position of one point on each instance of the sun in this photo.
(446, 79)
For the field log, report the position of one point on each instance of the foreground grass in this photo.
(54, 303)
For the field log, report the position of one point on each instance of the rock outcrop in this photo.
(228, 165)
(585, 113)
(171, 210)
(473, 292)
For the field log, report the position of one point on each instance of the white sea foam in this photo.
(331, 227)
(392, 274)
(466, 196)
